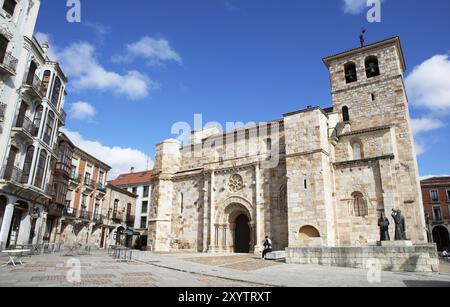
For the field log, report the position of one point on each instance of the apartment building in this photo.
(32, 94)
(138, 183)
(436, 200)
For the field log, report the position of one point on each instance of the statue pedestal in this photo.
(395, 243)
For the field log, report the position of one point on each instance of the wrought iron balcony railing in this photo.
(9, 63)
(98, 218)
(75, 177)
(101, 187)
(27, 126)
(85, 215)
(2, 111)
(90, 183)
(36, 84)
(70, 212)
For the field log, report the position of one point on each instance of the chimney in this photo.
(45, 47)
(132, 169)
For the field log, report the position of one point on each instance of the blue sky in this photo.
(136, 69)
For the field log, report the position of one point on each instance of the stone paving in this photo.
(199, 270)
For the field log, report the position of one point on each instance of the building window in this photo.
(116, 206)
(143, 222)
(350, 73)
(448, 194)
(49, 127)
(27, 164)
(144, 207)
(372, 68)
(146, 191)
(38, 118)
(46, 81)
(437, 213)
(434, 195)
(9, 6)
(101, 176)
(40, 170)
(345, 114)
(360, 205)
(134, 190)
(56, 92)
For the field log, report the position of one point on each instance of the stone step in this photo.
(279, 255)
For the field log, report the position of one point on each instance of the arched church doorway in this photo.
(242, 235)
(442, 238)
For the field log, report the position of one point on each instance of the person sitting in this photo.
(445, 254)
(267, 247)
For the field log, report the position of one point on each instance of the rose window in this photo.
(235, 183)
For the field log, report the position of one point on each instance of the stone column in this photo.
(232, 236)
(252, 226)
(212, 211)
(206, 206)
(25, 228)
(224, 238)
(6, 224)
(259, 219)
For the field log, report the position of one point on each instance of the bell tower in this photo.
(368, 91)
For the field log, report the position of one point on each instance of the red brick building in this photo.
(436, 201)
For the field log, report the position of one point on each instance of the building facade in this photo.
(436, 200)
(316, 177)
(85, 200)
(32, 94)
(138, 183)
(120, 215)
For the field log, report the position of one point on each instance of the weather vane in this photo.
(361, 37)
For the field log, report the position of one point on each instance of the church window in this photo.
(235, 183)
(360, 205)
(345, 114)
(372, 67)
(350, 72)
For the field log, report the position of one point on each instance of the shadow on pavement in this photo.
(427, 284)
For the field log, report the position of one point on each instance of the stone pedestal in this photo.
(395, 243)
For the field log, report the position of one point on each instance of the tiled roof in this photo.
(130, 179)
(436, 180)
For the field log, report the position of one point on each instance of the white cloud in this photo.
(420, 146)
(82, 110)
(428, 84)
(79, 61)
(155, 51)
(425, 124)
(119, 158)
(354, 6)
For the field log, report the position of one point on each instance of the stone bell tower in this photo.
(368, 92)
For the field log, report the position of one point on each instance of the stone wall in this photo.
(401, 259)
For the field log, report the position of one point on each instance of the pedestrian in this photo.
(267, 247)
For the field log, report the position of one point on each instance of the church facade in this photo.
(313, 178)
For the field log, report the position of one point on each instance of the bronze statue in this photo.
(400, 227)
(383, 223)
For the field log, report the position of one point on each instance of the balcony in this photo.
(26, 127)
(101, 188)
(14, 174)
(117, 216)
(98, 218)
(8, 65)
(33, 86)
(2, 111)
(85, 215)
(89, 184)
(70, 212)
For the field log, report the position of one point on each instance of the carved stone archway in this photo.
(223, 238)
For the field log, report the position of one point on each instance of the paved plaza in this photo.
(197, 270)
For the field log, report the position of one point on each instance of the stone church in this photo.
(314, 178)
